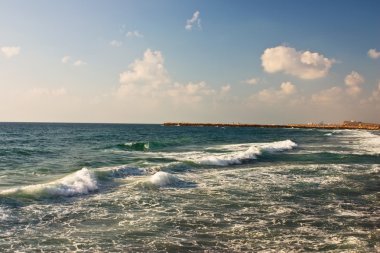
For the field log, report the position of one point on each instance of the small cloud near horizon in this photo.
(67, 59)
(79, 63)
(115, 43)
(10, 51)
(353, 82)
(252, 81)
(373, 53)
(135, 34)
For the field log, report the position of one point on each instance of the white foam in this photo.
(365, 141)
(133, 144)
(3, 214)
(230, 158)
(79, 182)
(237, 157)
(162, 178)
(278, 146)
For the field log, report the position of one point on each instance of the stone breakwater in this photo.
(366, 126)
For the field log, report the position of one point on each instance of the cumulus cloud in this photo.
(302, 64)
(134, 33)
(194, 21)
(375, 96)
(147, 81)
(10, 52)
(373, 53)
(287, 88)
(353, 81)
(149, 70)
(116, 43)
(252, 81)
(275, 95)
(328, 96)
(190, 93)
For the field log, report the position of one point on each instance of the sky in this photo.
(146, 61)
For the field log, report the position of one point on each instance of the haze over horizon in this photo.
(195, 61)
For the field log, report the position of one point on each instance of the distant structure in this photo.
(353, 123)
(348, 124)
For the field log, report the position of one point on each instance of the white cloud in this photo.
(373, 53)
(288, 88)
(79, 63)
(195, 20)
(302, 64)
(10, 52)
(189, 93)
(134, 33)
(252, 81)
(148, 82)
(116, 43)
(375, 96)
(66, 59)
(353, 80)
(149, 70)
(275, 95)
(328, 96)
(225, 89)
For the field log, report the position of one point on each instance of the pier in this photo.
(344, 125)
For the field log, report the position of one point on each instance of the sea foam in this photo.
(364, 141)
(77, 183)
(238, 157)
(3, 214)
(162, 178)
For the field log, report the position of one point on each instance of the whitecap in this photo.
(365, 141)
(162, 179)
(3, 214)
(79, 182)
(239, 156)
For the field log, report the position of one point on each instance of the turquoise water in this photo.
(150, 188)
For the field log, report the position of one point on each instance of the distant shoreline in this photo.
(346, 125)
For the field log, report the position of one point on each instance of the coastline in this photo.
(360, 126)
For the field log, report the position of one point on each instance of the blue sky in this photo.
(135, 61)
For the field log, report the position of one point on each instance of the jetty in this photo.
(345, 125)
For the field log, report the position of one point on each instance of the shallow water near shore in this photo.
(150, 188)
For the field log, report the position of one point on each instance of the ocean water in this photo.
(150, 188)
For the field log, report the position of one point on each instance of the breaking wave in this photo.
(77, 183)
(238, 157)
(162, 178)
(3, 214)
(364, 142)
(81, 182)
(136, 146)
(86, 181)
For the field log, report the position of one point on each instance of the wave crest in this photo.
(77, 183)
(162, 178)
(238, 157)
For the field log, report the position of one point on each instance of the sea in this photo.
(154, 188)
